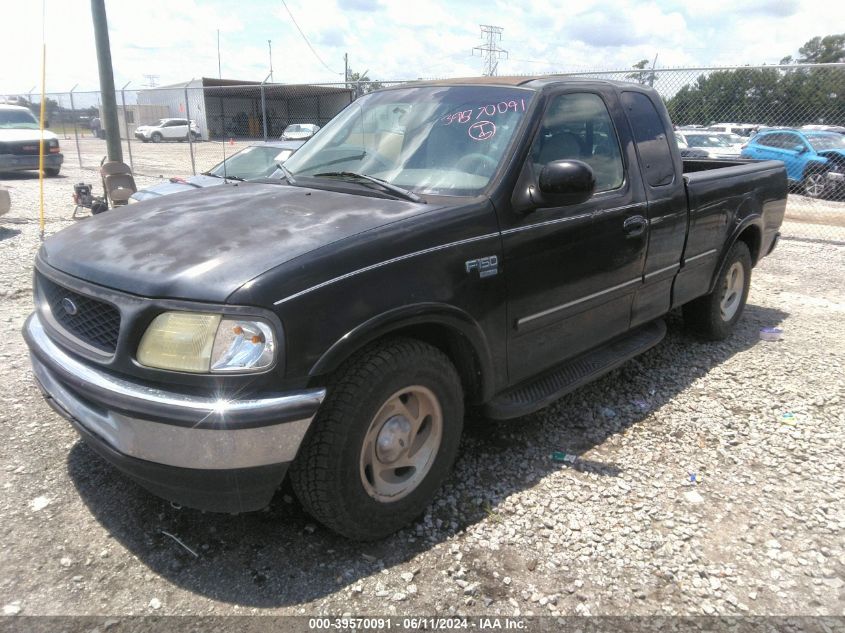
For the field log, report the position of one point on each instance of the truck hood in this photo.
(205, 244)
(168, 187)
(18, 134)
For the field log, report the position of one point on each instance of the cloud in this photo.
(397, 39)
(359, 5)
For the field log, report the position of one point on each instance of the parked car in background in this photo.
(735, 141)
(814, 160)
(19, 142)
(251, 163)
(746, 130)
(168, 130)
(299, 131)
(838, 129)
(714, 145)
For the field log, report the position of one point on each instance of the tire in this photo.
(814, 182)
(705, 316)
(195, 137)
(359, 427)
(156, 137)
(52, 172)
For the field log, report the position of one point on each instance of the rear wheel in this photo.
(383, 441)
(52, 172)
(714, 316)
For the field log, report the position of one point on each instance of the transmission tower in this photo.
(152, 81)
(490, 50)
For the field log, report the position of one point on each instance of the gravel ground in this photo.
(700, 478)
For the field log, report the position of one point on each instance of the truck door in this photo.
(661, 169)
(572, 271)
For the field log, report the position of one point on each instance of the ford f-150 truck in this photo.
(490, 243)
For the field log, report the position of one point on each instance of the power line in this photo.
(490, 50)
(320, 59)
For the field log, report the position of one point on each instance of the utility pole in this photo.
(101, 39)
(490, 50)
(219, 74)
(346, 68)
(270, 48)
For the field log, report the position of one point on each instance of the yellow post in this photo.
(41, 144)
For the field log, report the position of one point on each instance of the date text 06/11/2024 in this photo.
(416, 624)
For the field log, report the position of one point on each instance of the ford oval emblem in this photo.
(69, 306)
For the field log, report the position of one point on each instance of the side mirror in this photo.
(564, 182)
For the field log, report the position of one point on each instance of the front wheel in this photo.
(814, 183)
(383, 441)
(156, 137)
(714, 315)
(52, 172)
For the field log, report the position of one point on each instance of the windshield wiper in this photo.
(351, 175)
(208, 173)
(288, 176)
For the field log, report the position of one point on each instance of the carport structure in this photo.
(232, 108)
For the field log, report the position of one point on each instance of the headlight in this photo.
(201, 343)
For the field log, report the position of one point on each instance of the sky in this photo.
(394, 39)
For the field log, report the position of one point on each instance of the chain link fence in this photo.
(793, 113)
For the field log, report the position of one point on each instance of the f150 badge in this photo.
(486, 266)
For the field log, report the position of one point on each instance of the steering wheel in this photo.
(477, 163)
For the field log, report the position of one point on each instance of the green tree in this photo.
(823, 50)
(643, 76)
(361, 83)
(771, 96)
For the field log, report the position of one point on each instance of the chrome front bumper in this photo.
(169, 427)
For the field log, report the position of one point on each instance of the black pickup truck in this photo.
(492, 243)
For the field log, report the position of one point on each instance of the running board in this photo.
(561, 380)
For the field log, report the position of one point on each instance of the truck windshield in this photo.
(18, 119)
(437, 140)
(822, 142)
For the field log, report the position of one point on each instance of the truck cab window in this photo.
(652, 140)
(578, 126)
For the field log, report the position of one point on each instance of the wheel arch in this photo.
(749, 231)
(443, 326)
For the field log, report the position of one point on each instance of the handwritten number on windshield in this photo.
(489, 110)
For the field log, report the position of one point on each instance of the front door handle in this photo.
(634, 226)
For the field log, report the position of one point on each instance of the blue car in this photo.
(815, 161)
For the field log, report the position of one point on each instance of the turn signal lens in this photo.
(242, 346)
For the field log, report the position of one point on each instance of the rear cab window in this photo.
(651, 139)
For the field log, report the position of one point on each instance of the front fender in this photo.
(454, 319)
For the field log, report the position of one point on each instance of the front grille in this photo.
(93, 321)
(27, 148)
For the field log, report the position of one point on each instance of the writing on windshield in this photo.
(442, 140)
(486, 111)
